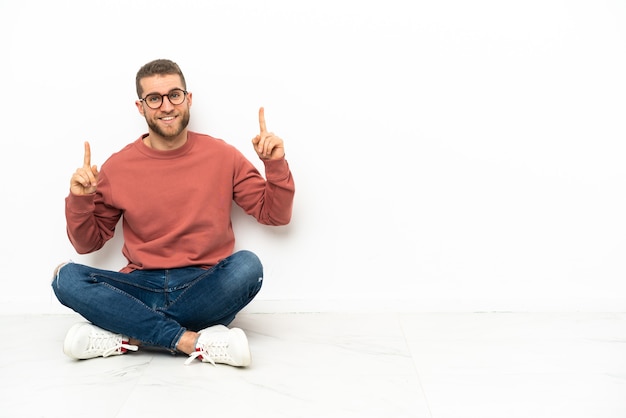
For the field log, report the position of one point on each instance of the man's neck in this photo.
(160, 143)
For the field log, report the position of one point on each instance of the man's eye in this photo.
(174, 95)
(153, 98)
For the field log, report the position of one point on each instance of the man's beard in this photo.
(183, 122)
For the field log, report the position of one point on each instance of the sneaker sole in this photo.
(70, 337)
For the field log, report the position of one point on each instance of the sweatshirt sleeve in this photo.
(269, 200)
(90, 224)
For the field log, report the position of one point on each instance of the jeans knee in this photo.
(62, 280)
(57, 273)
(250, 263)
(57, 270)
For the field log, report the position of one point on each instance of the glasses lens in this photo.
(154, 101)
(176, 96)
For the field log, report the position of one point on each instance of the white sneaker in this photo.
(219, 344)
(85, 340)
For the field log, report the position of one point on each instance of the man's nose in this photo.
(166, 103)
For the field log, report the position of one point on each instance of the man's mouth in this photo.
(168, 119)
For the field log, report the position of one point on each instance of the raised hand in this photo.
(85, 178)
(267, 145)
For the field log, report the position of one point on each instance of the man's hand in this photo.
(85, 178)
(267, 145)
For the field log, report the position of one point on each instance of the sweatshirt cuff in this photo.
(276, 169)
(80, 204)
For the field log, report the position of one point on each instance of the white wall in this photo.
(448, 155)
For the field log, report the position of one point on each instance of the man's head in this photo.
(163, 99)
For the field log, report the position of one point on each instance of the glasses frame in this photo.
(163, 96)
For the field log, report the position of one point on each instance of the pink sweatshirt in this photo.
(176, 205)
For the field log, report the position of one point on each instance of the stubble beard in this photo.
(183, 122)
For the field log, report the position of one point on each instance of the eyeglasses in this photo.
(154, 101)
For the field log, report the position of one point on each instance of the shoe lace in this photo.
(212, 352)
(109, 344)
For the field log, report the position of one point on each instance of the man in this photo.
(173, 189)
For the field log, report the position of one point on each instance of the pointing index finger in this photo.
(87, 158)
(262, 120)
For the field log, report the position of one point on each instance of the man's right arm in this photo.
(89, 223)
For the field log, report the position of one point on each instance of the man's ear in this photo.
(139, 105)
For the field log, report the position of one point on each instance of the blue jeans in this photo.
(157, 306)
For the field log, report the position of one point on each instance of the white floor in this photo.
(336, 365)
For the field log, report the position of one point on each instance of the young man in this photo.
(174, 190)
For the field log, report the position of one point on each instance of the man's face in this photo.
(169, 120)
